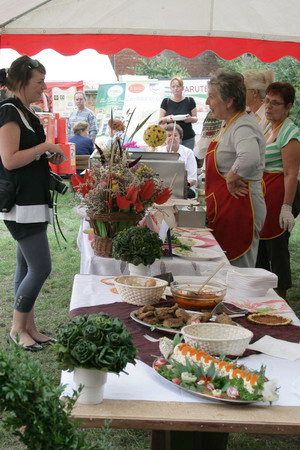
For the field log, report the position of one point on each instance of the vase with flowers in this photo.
(92, 346)
(116, 194)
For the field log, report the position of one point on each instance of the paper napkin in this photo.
(277, 347)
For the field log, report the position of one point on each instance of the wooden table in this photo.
(217, 418)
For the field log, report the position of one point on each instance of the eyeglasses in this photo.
(272, 102)
(33, 63)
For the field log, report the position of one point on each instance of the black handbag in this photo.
(7, 195)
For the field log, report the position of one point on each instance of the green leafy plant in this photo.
(31, 406)
(137, 245)
(160, 67)
(94, 341)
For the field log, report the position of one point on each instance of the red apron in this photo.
(231, 219)
(274, 194)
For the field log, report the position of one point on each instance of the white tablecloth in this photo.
(91, 264)
(89, 291)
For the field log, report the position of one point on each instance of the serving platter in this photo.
(199, 254)
(160, 328)
(200, 395)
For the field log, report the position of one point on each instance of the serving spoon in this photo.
(219, 267)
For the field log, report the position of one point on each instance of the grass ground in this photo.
(52, 308)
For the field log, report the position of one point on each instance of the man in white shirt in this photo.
(174, 137)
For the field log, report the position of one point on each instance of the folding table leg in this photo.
(188, 440)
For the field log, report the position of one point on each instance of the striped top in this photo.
(287, 132)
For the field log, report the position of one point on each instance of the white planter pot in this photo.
(93, 381)
(141, 269)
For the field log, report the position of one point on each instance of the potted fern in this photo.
(139, 247)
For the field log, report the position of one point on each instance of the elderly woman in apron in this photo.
(236, 208)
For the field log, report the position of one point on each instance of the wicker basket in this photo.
(217, 339)
(140, 295)
(114, 219)
(102, 246)
(114, 222)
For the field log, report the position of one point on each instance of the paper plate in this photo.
(179, 117)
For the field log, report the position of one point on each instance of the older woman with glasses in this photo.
(280, 177)
(234, 167)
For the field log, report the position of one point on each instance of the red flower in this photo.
(130, 197)
(84, 185)
(139, 206)
(147, 189)
(163, 196)
(132, 193)
(122, 202)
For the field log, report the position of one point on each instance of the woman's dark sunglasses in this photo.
(33, 63)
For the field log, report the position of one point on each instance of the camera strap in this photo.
(56, 224)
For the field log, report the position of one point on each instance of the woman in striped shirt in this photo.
(280, 177)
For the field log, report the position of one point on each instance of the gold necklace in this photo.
(269, 132)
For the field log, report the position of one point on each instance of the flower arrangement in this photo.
(119, 185)
(137, 245)
(95, 341)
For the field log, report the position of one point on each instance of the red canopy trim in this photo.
(65, 84)
(150, 45)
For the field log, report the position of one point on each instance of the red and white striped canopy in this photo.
(268, 29)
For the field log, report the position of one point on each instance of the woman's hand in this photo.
(286, 218)
(237, 188)
(53, 148)
(192, 118)
(56, 153)
(57, 158)
(166, 119)
(235, 185)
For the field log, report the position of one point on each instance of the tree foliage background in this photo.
(285, 69)
(161, 67)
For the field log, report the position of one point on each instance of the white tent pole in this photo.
(24, 13)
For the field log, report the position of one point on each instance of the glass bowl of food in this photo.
(188, 296)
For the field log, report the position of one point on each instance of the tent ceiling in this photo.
(268, 28)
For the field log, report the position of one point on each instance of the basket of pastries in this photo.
(140, 290)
